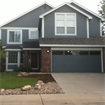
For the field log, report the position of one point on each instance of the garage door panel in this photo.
(70, 63)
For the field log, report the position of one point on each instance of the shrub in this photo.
(2, 58)
(23, 69)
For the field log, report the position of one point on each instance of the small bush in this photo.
(23, 69)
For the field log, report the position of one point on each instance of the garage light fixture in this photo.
(48, 51)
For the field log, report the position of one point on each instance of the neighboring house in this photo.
(67, 38)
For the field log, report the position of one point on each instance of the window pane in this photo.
(68, 53)
(83, 53)
(95, 53)
(60, 23)
(12, 57)
(17, 36)
(70, 16)
(60, 30)
(71, 23)
(11, 36)
(34, 34)
(57, 52)
(60, 16)
(70, 30)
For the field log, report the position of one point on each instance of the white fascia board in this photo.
(12, 49)
(27, 12)
(72, 1)
(31, 48)
(62, 45)
(90, 17)
(87, 28)
(19, 28)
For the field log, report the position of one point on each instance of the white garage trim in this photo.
(62, 45)
(79, 49)
(87, 49)
(102, 61)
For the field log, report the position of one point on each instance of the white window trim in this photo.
(33, 29)
(18, 61)
(14, 42)
(66, 25)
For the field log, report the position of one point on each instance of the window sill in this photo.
(14, 43)
(65, 35)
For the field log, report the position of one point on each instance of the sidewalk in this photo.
(52, 99)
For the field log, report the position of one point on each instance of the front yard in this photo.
(11, 81)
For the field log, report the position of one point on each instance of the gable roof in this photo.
(90, 17)
(72, 1)
(27, 12)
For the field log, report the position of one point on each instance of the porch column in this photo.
(46, 60)
(26, 58)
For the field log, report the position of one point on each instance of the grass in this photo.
(11, 81)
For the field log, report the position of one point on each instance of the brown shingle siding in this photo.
(70, 41)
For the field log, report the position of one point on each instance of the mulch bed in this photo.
(44, 77)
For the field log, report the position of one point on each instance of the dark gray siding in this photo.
(31, 19)
(69, 63)
(12, 66)
(94, 23)
(25, 35)
(50, 24)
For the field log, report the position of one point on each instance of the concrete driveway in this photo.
(79, 88)
(81, 83)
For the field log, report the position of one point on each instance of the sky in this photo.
(10, 9)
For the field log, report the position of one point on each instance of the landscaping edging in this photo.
(47, 88)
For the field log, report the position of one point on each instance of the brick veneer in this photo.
(46, 60)
(104, 59)
(26, 57)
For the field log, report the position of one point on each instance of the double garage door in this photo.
(76, 61)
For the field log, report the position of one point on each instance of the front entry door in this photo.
(34, 59)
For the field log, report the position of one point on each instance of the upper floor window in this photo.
(14, 37)
(65, 24)
(33, 33)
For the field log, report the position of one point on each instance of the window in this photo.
(12, 57)
(95, 53)
(57, 52)
(83, 53)
(33, 33)
(14, 37)
(65, 24)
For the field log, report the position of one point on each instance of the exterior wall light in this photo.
(48, 51)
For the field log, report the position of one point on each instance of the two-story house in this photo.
(67, 38)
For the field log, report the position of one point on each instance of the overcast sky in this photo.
(10, 9)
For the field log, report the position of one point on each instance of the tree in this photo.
(101, 10)
(2, 57)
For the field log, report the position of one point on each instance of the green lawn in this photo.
(10, 81)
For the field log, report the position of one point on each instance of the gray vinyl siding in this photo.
(70, 63)
(94, 23)
(12, 66)
(25, 37)
(49, 24)
(31, 19)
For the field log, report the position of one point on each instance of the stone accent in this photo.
(104, 59)
(26, 58)
(46, 59)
